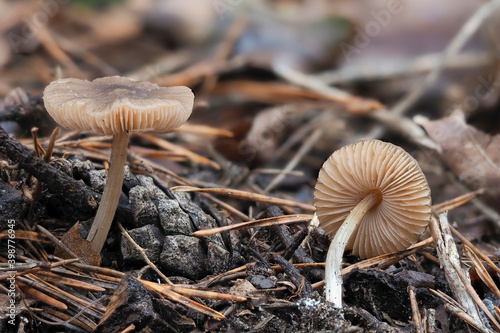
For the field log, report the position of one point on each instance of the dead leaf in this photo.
(79, 246)
(242, 287)
(473, 156)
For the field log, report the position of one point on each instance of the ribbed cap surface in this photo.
(355, 170)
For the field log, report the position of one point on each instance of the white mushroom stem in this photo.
(333, 264)
(111, 195)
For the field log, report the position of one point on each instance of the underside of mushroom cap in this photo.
(354, 171)
(116, 104)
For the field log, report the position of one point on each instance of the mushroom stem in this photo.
(333, 264)
(111, 195)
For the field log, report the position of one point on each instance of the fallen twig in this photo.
(73, 191)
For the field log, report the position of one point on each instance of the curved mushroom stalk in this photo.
(333, 263)
(373, 197)
(111, 195)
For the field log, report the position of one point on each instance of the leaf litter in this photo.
(213, 230)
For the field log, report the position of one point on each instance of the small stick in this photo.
(75, 192)
(456, 202)
(463, 35)
(204, 130)
(475, 249)
(465, 317)
(47, 155)
(482, 272)
(195, 158)
(374, 109)
(475, 297)
(163, 289)
(35, 293)
(224, 50)
(221, 204)
(290, 250)
(304, 149)
(417, 319)
(304, 288)
(57, 242)
(285, 219)
(39, 151)
(478, 202)
(55, 278)
(448, 254)
(43, 34)
(244, 195)
(392, 69)
(455, 308)
(143, 254)
(382, 259)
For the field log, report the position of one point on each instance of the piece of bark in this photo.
(447, 254)
(12, 204)
(74, 192)
(168, 317)
(297, 240)
(383, 293)
(300, 255)
(303, 286)
(27, 111)
(367, 320)
(131, 304)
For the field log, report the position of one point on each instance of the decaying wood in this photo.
(449, 260)
(272, 271)
(130, 304)
(74, 192)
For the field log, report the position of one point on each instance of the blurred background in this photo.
(280, 75)
(279, 86)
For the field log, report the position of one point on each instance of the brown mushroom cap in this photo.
(115, 104)
(355, 170)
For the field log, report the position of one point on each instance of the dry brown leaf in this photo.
(79, 246)
(473, 156)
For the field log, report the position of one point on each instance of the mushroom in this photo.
(374, 198)
(115, 106)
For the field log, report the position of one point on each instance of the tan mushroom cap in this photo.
(115, 104)
(355, 170)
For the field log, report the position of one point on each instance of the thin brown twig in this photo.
(377, 111)
(473, 294)
(233, 33)
(382, 259)
(244, 195)
(303, 150)
(417, 319)
(452, 306)
(478, 202)
(450, 263)
(456, 202)
(285, 219)
(402, 68)
(143, 254)
(53, 49)
(195, 158)
(482, 272)
(475, 249)
(57, 242)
